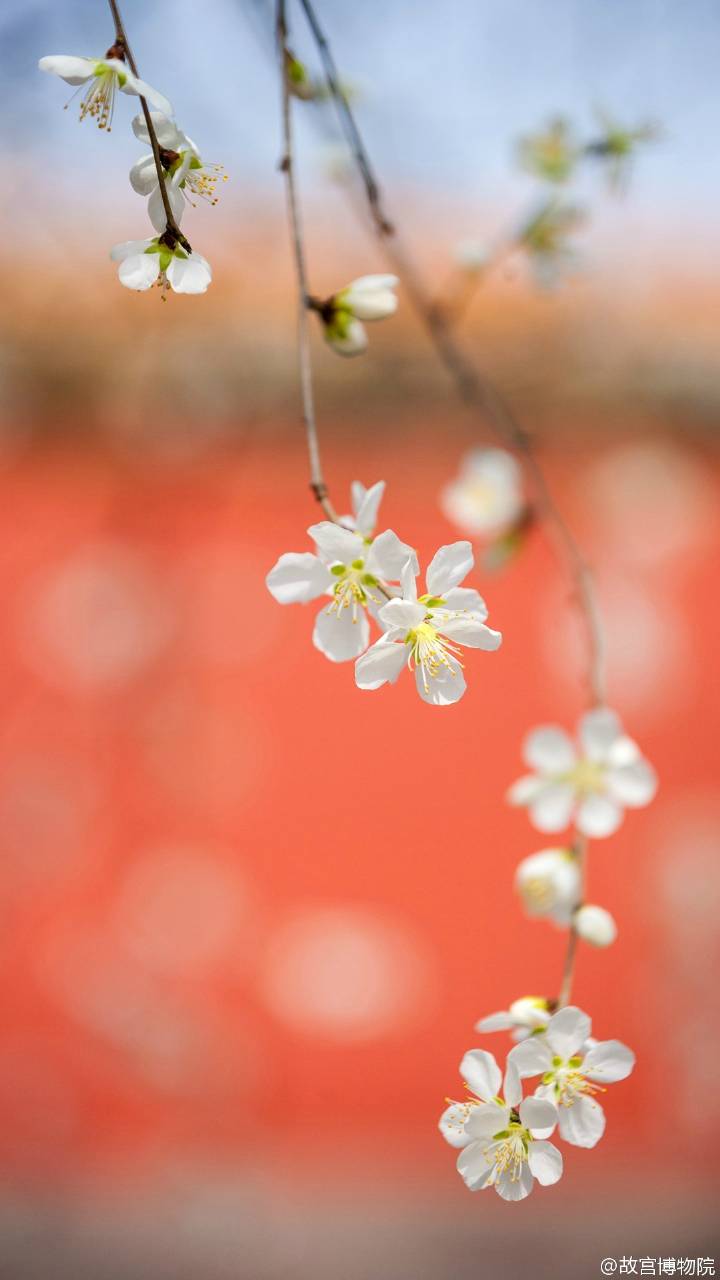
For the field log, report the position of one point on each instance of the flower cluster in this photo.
(171, 176)
(361, 577)
(503, 1140)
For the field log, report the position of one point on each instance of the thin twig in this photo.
(581, 855)
(287, 164)
(122, 40)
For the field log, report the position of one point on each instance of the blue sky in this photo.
(446, 88)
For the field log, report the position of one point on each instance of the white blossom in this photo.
(425, 633)
(486, 498)
(549, 884)
(589, 784)
(187, 175)
(595, 925)
(144, 263)
(367, 298)
(351, 567)
(105, 76)
(525, 1017)
(503, 1142)
(573, 1072)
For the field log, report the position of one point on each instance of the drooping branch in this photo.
(475, 389)
(479, 393)
(121, 40)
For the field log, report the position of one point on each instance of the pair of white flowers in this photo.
(161, 259)
(503, 1140)
(365, 576)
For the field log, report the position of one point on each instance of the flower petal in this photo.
(143, 176)
(352, 342)
(525, 790)
(512, 1085)
(128, 249)
(472, 633)
(481, 1072)
(598, 816)
(539, 1115)
(189, 275)
(365, 505)
(467, 599)
(297, 577)
(167, 132)
(485, 1121)
(452, 1124)
(582, 1124)
(382, 663)
(608, 1061)
(532, 1057)
(549, 749)
(598, 730)
(633, 785)
(158, 218)
(473, 1167)
(546, 1163)
(388, 556)
(139, 271)
(552, 808)
(448, 567)
(339, 635)
(71, 70)
(443, 689)
(336, 544)
(401, 613)
(567, 1031)
(144, 90)
(501, 1021)
(515, 1188)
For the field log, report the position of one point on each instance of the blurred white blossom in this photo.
(525, 1016)
(487, 495)
(549, 884)
(595, 925)
(591, 783)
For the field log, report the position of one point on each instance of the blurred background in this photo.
(250, 915)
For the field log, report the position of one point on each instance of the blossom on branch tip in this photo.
(526, 1017)
(367, 298)
(595, 925)
(105, 75)
(503, 1141)
(590, 784)
(144, 263)
(572, 1072)
(487, 496)
(351, 567)
(425, 633)
(549, 884)
(187, 177)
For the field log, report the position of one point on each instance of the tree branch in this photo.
(122, 40)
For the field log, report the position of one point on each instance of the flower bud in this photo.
(595, 925)
(549, 884)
